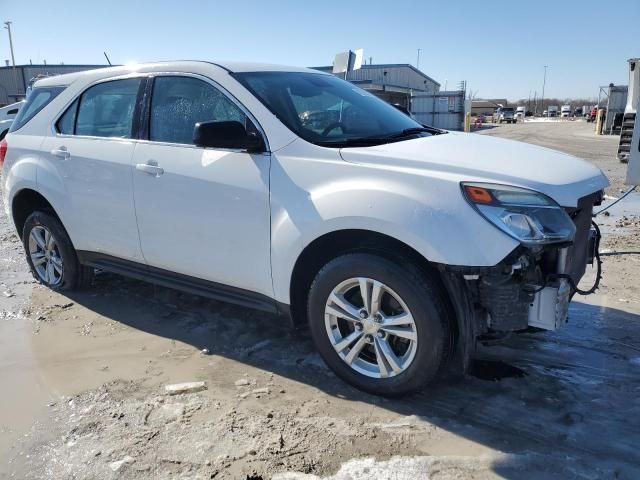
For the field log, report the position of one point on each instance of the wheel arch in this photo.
(339, 242)
(25, 202)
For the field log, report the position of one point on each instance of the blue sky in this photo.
(499, 47)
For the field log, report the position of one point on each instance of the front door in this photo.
(201, 212)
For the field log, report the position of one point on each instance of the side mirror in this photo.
(229, 134)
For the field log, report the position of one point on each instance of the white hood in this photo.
(473, 157)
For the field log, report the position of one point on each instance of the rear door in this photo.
(202, 212)
(91, 150)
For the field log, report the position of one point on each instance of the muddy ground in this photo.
(82, 382)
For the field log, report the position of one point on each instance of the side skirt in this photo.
(186, 283)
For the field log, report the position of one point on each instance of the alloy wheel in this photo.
(45, 255)
(371, 327)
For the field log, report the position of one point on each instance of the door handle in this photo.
(151, 168)
(61, 152)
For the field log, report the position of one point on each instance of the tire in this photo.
(416, 363)
(58, 267)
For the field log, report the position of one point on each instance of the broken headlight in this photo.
(530, 217)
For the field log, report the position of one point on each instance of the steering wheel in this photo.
(333, 126)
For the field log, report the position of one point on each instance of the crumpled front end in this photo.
(533, 285)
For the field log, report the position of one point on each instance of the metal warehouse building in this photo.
(393, 82)
(14, 81)
(404, 84)
(401, 84)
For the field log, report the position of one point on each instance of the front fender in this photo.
(311, 197)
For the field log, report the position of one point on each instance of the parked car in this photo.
(5, 125)
(7, 114)
(10, 111)
(504, 114)
(399, 245)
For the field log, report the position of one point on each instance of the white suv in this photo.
(295, 192)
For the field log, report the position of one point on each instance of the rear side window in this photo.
(67, 122)
(38, 99)
(106, 109)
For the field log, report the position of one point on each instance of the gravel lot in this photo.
(82, 382)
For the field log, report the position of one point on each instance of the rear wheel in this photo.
(50, 254)
(382, 326)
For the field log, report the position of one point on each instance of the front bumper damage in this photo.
(531, 287)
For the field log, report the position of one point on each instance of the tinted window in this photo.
(178, 103)
(39, 98)
(67, 122)
(324, 109)
(106, 109)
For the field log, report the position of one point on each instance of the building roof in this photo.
(329, 68)
(488, 103)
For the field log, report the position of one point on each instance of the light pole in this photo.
(13, 59)
(8, 27)
(544, 82)
(418, 61)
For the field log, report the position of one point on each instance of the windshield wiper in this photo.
(355, 142)
(409, 131)
(379, 140)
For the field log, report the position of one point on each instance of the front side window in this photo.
(327, 111)
(39, 98)
(106, 109)
(178, 103)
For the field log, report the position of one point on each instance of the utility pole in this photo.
(418, 61)
(544, 82)
(13, 59)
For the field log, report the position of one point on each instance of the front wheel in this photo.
(382, 326)
(50, 254)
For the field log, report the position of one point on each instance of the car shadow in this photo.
(569, 397)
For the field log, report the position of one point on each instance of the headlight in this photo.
(530, 217)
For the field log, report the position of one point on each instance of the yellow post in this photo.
(467, 122)
(599, 121)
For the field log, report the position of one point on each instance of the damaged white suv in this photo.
(295, 192)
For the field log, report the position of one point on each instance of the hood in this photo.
(473, 157)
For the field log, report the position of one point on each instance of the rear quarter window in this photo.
(38, 99)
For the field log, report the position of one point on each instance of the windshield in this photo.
(328, 111)
(507, 110)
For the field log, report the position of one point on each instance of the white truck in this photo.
(520, 113)
(565, 111)
(629, 116)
